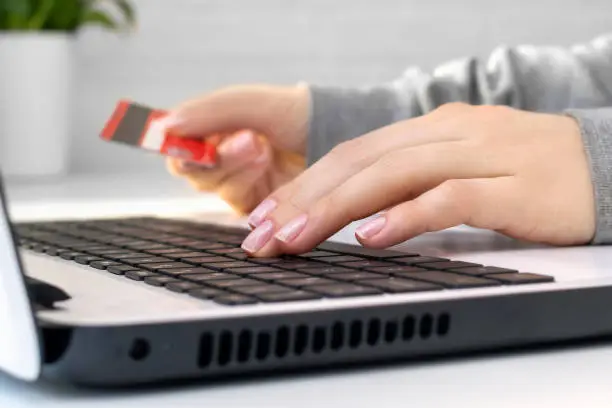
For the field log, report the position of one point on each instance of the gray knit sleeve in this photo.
(596, 129)
(534, 78)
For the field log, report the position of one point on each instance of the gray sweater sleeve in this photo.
(576, 79)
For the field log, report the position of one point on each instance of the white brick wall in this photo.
(185, 47)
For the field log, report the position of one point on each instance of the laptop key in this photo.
(482, 270)
(159, 280)
(265, 261)
(229, 265)
(355, 276)
(182, 286)
(340, 259)
(184, 254)
(415, 260)
(70, 255)
(521, 278)
(205, 260)
(231, 283)
(344, 290)
(208, 277)
(441, 266)
(366, 264)
(273, 276)
(139, 274)
(164, 265)
(317, 254)
(204, 293)
(127, 255)
(253, 270)
(362, 251)
(398, 285)
(329, 270)
(185, 271)
(142, 261)
(121, 269)
(303, 282)
(453, 280)
(86, 259)
(227, 251)
(103, 264)
(235, 299)
(292, 296)
(392, 270)
(166, 251)
(114, 251)
(260, 289)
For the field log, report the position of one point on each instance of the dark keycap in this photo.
(160, 280)
(340, 259)
(344, 290)
(481, 270)
(398, 285)
(204, 293)
(229, 265)
(521, 278)
(139, 274)
(293, 265)
(185, 254)
(241, 256)
(114, 251)
(53, 251)
(361, 251)
(166, 251)
(442, 266)
(128, 255)
(317, 254)
(260, 289)
(181, 286)
(164, 265)
(235, 300)
(231, 283)
(453, 280)
(142, 261)
(253, 270)
(185, 271)
(355, 276)
(206, 277)
(121, 269)
(95, 249)
(103, 264)
(392, 270)
(204, 246)
(330, 270)
(272, 276)
(86, 259)
(300, 283)
(39, 247)
(265, 261)
(70, 255)
(148, 246)
(205, 260)
(295, 295)
(227, 251)
(366, 264)
(415, 260)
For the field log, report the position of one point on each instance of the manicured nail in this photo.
(258, 237)
(241, 144)
(260, 213)
(371, 228)
(292, 229)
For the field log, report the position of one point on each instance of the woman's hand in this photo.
(523, 174)
(261, 135)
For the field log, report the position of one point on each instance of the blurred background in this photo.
(181, 48)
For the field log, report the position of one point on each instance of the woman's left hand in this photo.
(522, 174)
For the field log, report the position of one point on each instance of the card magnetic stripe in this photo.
(132, 124)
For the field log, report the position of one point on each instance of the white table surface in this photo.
(557, 377)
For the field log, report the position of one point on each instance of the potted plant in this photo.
(37, 78)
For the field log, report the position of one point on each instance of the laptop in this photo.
(135, 300)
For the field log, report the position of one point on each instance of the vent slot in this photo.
(205, 353)
(337, 336)
(373, 332)
(426, 327)
(318, 341)
(263, 345)
(300, 340)
(245, 346)
(226, 345)
(356, 334)
(282, 341)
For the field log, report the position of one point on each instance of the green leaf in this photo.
(99, 18)
(17, 13)
(41, 14)
(127, 10)
(65, 15)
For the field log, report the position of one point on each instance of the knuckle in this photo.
(453, 108)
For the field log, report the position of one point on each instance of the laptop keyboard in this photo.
(206, 262)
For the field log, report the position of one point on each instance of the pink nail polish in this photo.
(258, 237)
(292, 229)
(259, 214)
(371, 228)
(242, 143)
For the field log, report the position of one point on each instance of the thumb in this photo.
(280, 113)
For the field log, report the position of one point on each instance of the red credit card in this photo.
(138, 125)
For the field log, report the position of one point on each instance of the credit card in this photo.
(138, 125)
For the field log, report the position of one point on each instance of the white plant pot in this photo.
(36, 71)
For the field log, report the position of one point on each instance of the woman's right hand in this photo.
(260, 132)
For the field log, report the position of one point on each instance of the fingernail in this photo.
(242, 143)
(371, 228)
(191, 166)
(259, 214)
(292, 229)
(258, 237)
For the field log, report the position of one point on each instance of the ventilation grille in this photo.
(248, 346)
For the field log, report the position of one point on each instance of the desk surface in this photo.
(556, 377)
